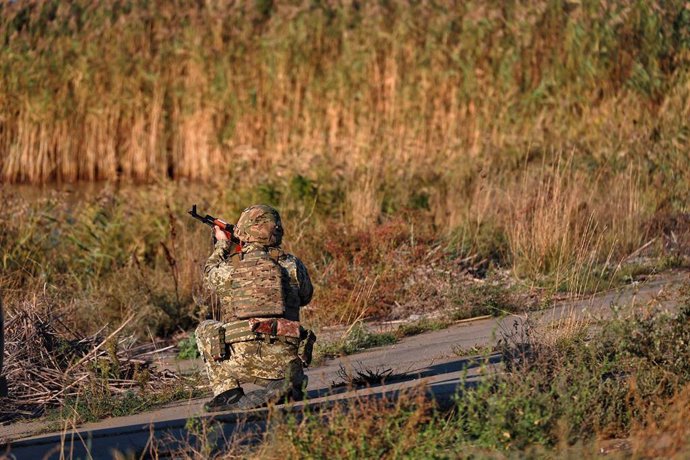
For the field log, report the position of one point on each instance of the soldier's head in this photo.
(260, 224)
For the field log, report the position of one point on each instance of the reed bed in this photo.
(547, 138)
(381, 91)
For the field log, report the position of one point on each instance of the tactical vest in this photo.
(259, 285)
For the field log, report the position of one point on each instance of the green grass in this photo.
(359, 338)
(98, 403)
(421, 326)
(561, 397)
(187, 348)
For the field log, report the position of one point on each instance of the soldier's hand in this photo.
(220, 234)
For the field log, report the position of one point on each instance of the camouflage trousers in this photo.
(255, 362)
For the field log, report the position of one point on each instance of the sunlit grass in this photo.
(403, 144)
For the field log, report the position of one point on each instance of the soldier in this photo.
(260, 289)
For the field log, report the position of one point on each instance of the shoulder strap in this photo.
(235, 259)
(275, 253)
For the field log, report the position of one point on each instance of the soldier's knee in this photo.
(207, 328)
(205, 334)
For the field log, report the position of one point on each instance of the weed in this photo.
(187, 348)
(421, 326)
(367, 429)
(485, 299)
(358, 338)
(473, 350)
(97, 403)
(361, 376)
(601, 384)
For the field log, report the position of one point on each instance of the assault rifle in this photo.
(211, 221)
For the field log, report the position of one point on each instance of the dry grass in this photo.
(411, 148)
(50, 366)
(105, 255)
(544, 137)
(394, 92)
(668, 437)
(364, 428)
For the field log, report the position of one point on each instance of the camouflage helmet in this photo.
(260, 224)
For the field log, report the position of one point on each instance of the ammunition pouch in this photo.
(264, 330)
(218, 347)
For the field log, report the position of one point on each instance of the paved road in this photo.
(434, 361)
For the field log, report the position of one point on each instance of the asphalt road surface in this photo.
(435, 362)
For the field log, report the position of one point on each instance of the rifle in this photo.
(211, 221)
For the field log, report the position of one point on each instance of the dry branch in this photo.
(47, 364)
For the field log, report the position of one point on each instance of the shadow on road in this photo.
(458, 365)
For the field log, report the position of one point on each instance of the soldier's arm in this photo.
(306, 289)
(215, 263)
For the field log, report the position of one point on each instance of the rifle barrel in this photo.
(213, 221)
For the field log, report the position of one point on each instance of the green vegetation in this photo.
(493, 299)
(99, 403)
(187, 348)
(557, 396)
(357, 338)
(421, 326)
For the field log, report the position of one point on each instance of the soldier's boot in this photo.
(225, 400)
(274, 391)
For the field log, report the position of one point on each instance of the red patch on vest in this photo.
(276, 327)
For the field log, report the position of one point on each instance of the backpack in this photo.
(259, 285)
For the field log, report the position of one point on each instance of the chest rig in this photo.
(259, 284)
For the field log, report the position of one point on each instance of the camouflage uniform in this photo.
(219, 277)
(249, 362)
(256, 362)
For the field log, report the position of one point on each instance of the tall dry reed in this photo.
(549, 136)
(145, 90)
